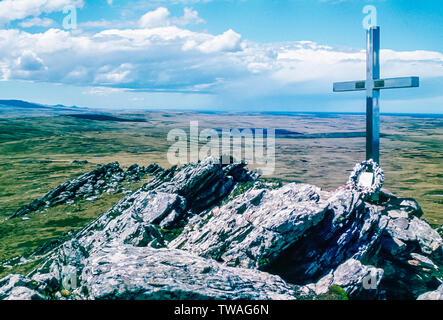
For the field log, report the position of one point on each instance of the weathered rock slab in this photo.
(127, 272)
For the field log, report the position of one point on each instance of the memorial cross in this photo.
(373, 85)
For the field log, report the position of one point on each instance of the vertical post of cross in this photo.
(372, 94)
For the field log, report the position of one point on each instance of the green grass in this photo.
(170, 234)
(335, 293)
(23, 269)
(19, 237)
(36, 155)
(239, 189)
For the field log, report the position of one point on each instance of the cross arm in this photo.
(389, 83)
(349, 86)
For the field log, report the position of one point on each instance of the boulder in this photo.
(357, 280)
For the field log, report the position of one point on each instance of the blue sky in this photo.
(247, 55)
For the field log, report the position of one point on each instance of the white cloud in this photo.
(29, 61)
(151, 59)
(228, 41)
(156, 18)
(37, 22)
(189, 17)
(161, 18)
(307, 61)
(119, 75)
(11, 10)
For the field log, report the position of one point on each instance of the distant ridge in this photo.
(31, 105)
(22, 104)
(20, 108)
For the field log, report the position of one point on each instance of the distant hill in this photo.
(22, 104)
(18, 108)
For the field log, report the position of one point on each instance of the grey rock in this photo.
(137, 218)
(202, 184)
(158, 205)
(127, 272)
(432, 295)
(399, 228)
(349, 230)
(422, 261)
(397, 214)
(153, 168)
(239, 172)
(411, 206)
(254, 228)
(405, 205)
(18, 287)
(428, 238)
(359, 281)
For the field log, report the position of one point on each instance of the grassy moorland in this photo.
(36, 155)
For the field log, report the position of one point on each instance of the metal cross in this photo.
(372, 85)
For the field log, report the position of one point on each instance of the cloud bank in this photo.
(159, 54)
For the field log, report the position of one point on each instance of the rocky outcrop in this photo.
(302, 234)
(253, 229)
(106, 178)
(213, 231)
